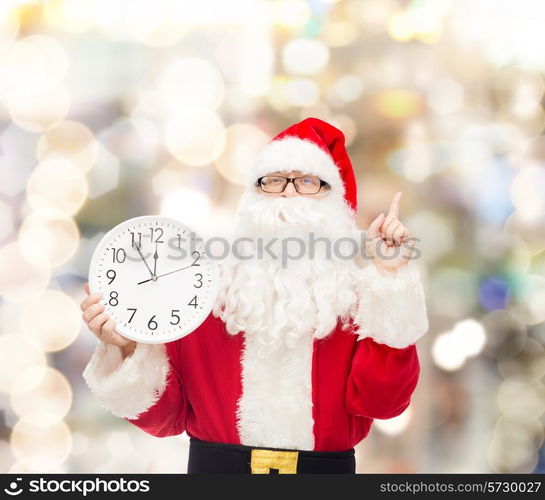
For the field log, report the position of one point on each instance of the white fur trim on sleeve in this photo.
(127, 387)
(391, 308)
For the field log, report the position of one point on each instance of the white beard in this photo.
(277, 302)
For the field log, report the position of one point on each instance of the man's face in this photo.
(307, 185)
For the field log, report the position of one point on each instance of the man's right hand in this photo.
(102, 325)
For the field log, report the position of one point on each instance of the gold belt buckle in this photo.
(264, 460)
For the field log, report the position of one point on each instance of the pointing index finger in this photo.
(394, 207)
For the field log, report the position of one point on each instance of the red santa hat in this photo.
(312, 146)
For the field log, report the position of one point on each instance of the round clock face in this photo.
(155, 278)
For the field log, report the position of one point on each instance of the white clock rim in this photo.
(92, 276)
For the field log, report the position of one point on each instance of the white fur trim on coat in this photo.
(392, 308)
(127, 387)
(275, 408)
(293, 153)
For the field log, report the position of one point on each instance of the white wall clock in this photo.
(157, 282)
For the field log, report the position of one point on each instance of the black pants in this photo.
(219, 458)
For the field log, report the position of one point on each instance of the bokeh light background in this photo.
(111, 109)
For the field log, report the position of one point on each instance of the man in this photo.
(299, 355)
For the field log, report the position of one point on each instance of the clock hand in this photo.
(155, 261)
(161, 275)
(143, 259)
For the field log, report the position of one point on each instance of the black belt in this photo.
(220, 458)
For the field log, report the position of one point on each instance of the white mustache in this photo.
(270, 213)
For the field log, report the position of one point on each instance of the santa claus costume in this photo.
(289, 370)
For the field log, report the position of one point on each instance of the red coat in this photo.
(326, 402)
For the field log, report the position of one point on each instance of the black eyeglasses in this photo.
(303, 185)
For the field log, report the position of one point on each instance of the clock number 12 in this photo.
(158, 238)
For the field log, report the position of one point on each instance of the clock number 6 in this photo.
(152, 322)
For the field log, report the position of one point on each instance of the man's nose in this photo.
(290, 191)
